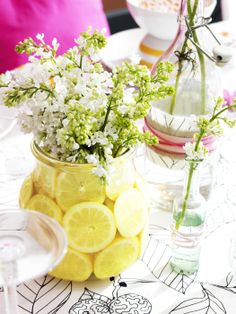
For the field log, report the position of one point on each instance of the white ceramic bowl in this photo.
(162, 25)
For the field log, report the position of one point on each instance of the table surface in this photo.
(150, 280)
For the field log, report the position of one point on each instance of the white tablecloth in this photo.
(149, 286)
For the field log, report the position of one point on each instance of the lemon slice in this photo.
(44, 178)
(89, 226)
(130, 213)
(26, 192)
(45, 205)
(116, 257)
(121, 178)
(76, 188)
(75, 266)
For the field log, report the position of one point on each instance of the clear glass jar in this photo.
(105, 222)
(189, 211)
(164, 175)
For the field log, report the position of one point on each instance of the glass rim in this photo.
(197, 161)
(48, 159)
(58, 232)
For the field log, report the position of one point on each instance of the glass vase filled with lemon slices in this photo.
(105, 223)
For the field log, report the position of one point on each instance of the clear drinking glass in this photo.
(31, 245)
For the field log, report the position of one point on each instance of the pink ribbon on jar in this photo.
(174, 144)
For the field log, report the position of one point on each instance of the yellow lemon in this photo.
(116, 257)
(121, 178)
(45, 205)
(75, 266)
(130, 213)
(90, 227)
(26, 192)
(44, 178)
(74, 188)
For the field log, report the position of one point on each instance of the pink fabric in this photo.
(63, 19)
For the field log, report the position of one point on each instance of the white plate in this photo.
(121, 46)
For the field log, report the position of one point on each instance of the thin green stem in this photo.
(106, 116)
(201, 61)
(180, 65)
(179, 71)
(122, 145)
(190, 175)
(220, 112)
(201, 134)
(186, 196)
(80, 63)
(191, 15)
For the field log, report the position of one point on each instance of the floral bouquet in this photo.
(77, 111)
(83, 121)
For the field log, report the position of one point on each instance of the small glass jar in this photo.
(105, 222)
(189, 211)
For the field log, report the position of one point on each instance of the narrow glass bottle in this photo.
(189, 211)
(195, 77)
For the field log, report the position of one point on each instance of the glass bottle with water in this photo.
(189, 211)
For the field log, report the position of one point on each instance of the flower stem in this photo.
(173, 99)
(186, 196)
(191, 15)
(106, 116)
(190, 175)
(201, 61)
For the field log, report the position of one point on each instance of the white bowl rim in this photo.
(134, 4)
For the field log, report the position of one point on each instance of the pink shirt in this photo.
(63, 19)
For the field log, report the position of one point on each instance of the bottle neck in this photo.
(192, 178)
(190, 9)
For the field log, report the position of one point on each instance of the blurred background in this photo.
(119, 18)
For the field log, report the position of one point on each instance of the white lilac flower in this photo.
(40, 37)
(99, 138)
(81, 42)
(7, 77)
(92, 159)
(111, 131)
(123, 109)
(128, 96)
(192, 154)
(76, 146)
(100, 171)
(55, 44)
(93, 54)
(60, 85)
(81, 87)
